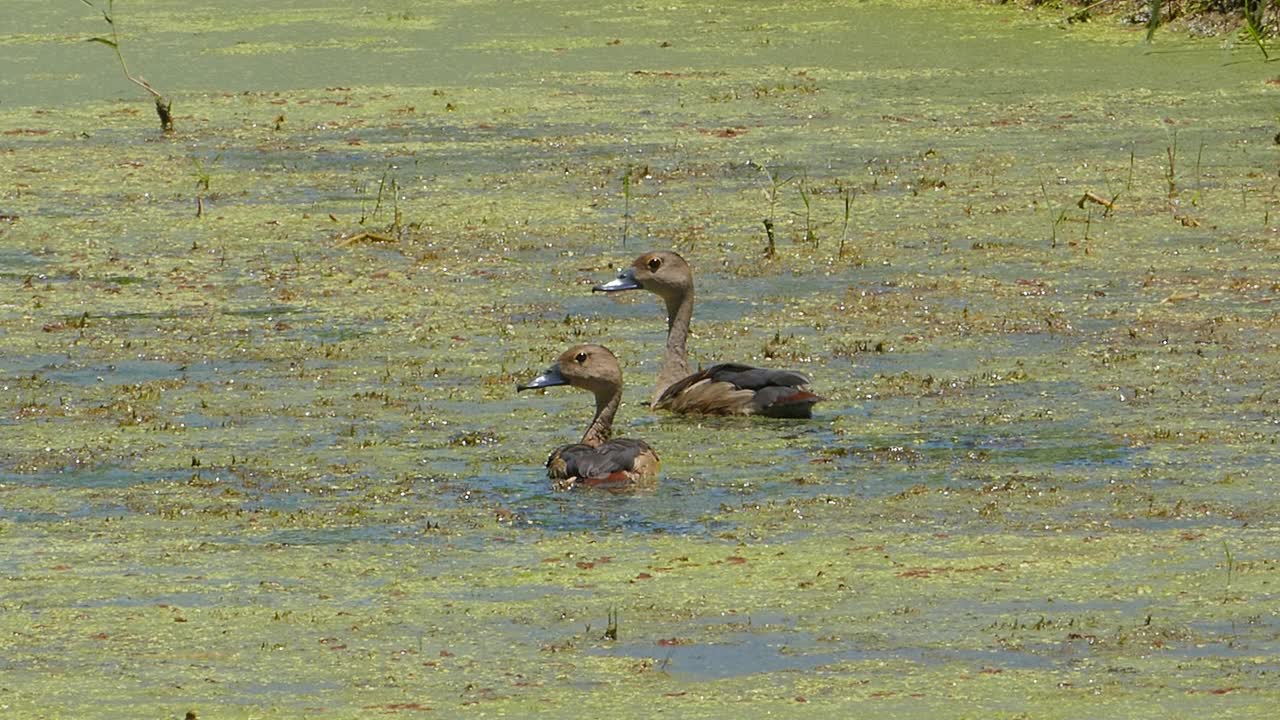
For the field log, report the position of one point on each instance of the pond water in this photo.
(256, 464)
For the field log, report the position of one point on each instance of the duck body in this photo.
(737, 389)
(598, 460)
(618, 463)
(723, 389)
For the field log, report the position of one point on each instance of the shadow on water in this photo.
(679, 509)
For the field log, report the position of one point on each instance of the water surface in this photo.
(252, 464)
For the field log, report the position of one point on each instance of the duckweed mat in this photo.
(261, 453)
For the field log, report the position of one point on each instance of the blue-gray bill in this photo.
(626, 280)
(549, 378)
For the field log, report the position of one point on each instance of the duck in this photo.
(723, 389)
(598, 460)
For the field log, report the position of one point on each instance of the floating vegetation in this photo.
(266, 455)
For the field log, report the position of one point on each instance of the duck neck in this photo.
(675, 361)
(601, 428)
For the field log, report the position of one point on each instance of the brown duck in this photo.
(597, 461)
(724, 389)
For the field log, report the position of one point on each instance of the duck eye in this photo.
(655, 263)
(581, 357)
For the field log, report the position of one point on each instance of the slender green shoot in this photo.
(809, 235)
(611, 628)
(1153, 18)
(626, 204)
(1108, 206)
(1231, 564)
(776, 183)
(164, 106)
(393, 190)
(1253, 10)
(201, 172)
(1057, 220)
(1195, 199)
(203, 179)
(388, 187)
(847, 197)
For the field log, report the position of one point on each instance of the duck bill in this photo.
(549, 378)
(626, 280)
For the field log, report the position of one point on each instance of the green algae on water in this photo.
(253, 467)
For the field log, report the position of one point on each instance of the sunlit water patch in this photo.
(770, 648)
(86, 478)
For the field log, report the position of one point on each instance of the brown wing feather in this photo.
(615, 464)
(736, 389)
(708, 397)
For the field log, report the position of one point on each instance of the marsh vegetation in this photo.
(261, 452)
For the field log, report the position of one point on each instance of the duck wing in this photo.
(737, 389)
(615, 463)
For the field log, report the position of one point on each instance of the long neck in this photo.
(601, 428)
(675, 361)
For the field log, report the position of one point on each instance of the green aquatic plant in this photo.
(203, 180)
(1128, 183)
(1253, 12)
(1231, 564)
(776, 183)
(201, 174)
(1153, 18)
(611, 627)
(1195, 199)
(389, 189)
(164, 106)
(847, 197)
(1253, 15)
(626, 204)
(1058, 219)
(1171, 168)
(1000, 412)
(1088, 224)
(803, 186)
